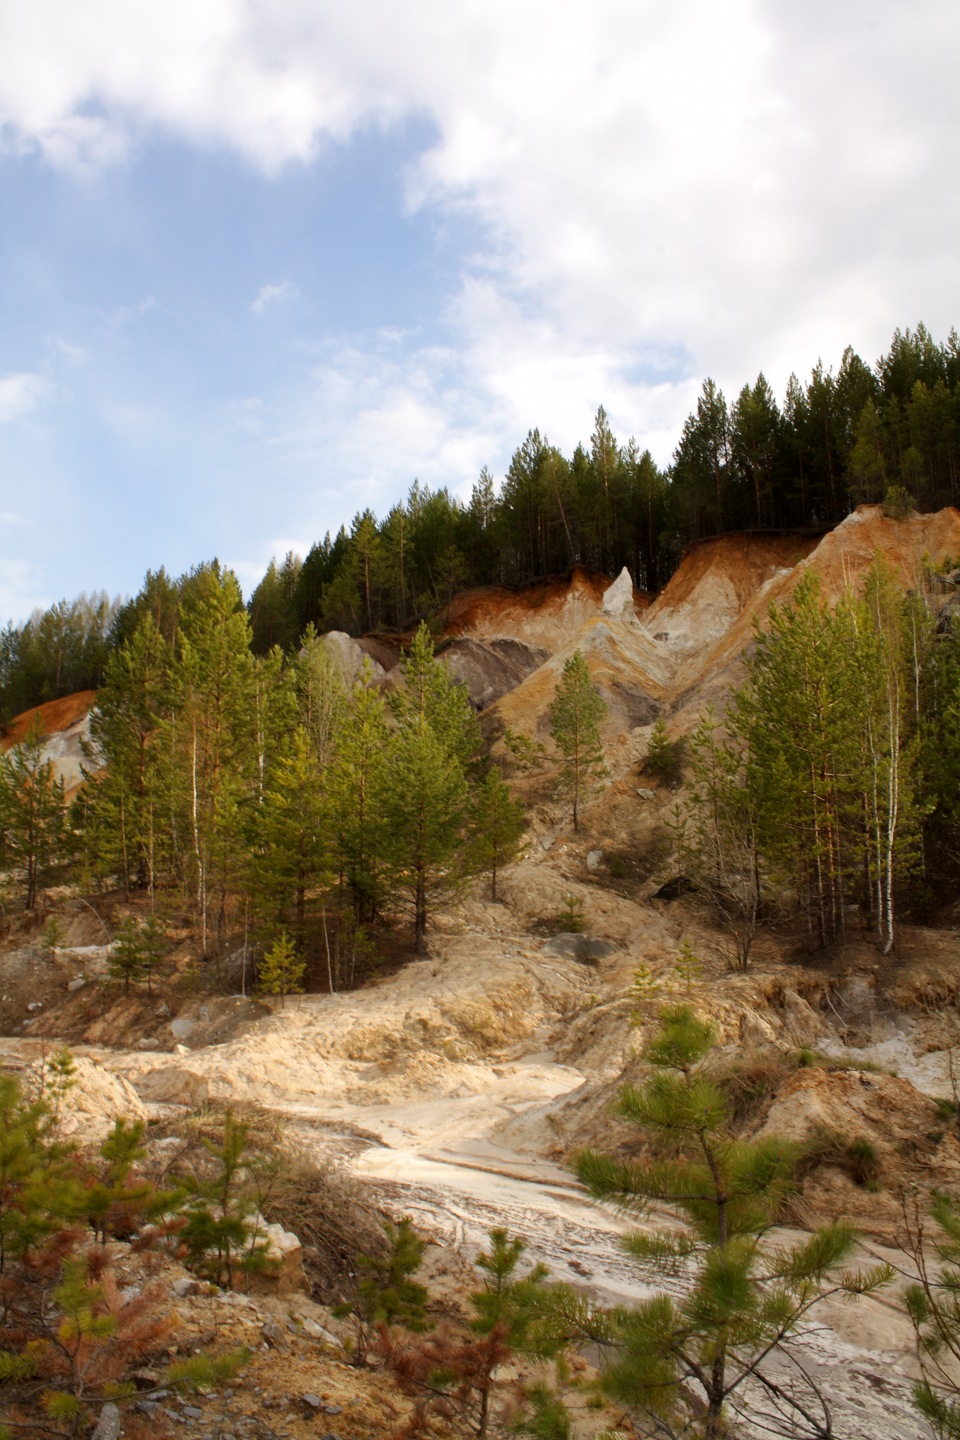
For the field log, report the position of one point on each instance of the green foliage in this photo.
(571, 920)
(545, 1417)
(717, 834)
(512, 1315)
(425, 808)
(577, 711)
(122, 807)
(358, 783)
(688, 966)
(816, 788)
(137, 952)
(933, 1305)
(33, 827)
(116, 1200)
(202, 1372)
(898, 503)
(386, 1293)
(525, 754)
(497, 824)
(280, 972)
(37, 1185)
(430, 694)
(53, 936)
(125, 960)
(220, 1231)
(56, 652)
(663, 754)
(646, 992)
(677, 1359)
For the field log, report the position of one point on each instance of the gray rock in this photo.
(192, 1412)
(587, 949)
(490, 668)
(182, 1027)
(618, 599)
(645, 793)
(594, 859)
(76, 984)
(148, 1042)
(108, 1426)
(311, 1401)
(349, 657)
(185, 1286)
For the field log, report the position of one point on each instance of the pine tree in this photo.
(386, 1293)
(577, 711)
(357, 782)
(212, 738)
(663, 754)
(220, 1232)
(121, 805)
(424, 813)
(280, 972)
(33, 823)
(290, 839)
(431, 694)
(678, 1358)
(125, 961)
(497, 824)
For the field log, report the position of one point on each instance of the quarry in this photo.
(455, 1088)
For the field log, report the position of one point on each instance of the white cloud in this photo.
(72, 355)
(20, 393)
(731, 187)
(269, 295)
(121, 317)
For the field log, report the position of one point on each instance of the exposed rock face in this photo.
(284, 1274)
(348, 656)
(491, 668)
(91, 1103)
(618, 600)
(64, 725)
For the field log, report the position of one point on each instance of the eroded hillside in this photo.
(460, 1085)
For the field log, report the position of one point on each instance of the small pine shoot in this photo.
(281, 970)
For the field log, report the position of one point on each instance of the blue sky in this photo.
(266, 264)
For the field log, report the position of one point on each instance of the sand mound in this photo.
(92, 1100)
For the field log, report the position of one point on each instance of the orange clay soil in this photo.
(54, 716)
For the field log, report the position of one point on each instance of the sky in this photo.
(265, 262)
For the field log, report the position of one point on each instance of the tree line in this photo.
(264, 792)
(860, 434)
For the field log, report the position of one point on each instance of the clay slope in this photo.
(840, 559)
(684, 650)
(64, 724)
(545, 614)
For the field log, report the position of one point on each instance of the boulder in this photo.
(284, 1274)
(587, 949)
(490, 669)
(618, 600)
(349, 656)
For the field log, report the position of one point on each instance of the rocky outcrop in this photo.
(618, 600)
(491, 668)
(349, 656)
